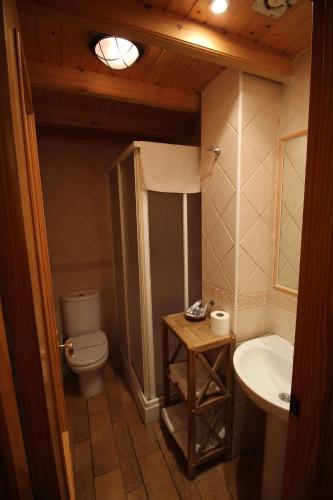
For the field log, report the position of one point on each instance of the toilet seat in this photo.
(89, 349)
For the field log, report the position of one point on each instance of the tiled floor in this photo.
(117, 457)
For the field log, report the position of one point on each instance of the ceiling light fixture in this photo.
(218, 6)
(116, 52)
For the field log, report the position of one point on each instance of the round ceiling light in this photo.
(218, 6)
(116, 52)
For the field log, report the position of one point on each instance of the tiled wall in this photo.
(260, 122)
(245, 115)
(240, 114)
(294, 111)
(220, 109)
(76, 202)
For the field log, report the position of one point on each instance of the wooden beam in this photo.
(115, 122)
(164, 29)
(78, 81)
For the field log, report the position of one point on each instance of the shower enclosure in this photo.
(156, 225)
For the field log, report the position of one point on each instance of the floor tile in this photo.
(115, 401)
(139, 494)
(157, 478)
(127, 458)
(98, 403)
(81, 422)
(110, 486)
(117, 457)
(83, 472)
(104, 451)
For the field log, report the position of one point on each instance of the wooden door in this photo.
(309, 460)
(14, 471)
(26, 287)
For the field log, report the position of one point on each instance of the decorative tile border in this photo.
(255, 299)
(284, 301)
(217, 294)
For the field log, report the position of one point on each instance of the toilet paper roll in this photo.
(220, 322)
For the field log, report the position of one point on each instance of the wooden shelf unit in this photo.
(204, 390)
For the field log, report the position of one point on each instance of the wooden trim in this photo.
(279, 187)
(48, 76)
(309, 457)
(153, 26)
(11, 437)
(115, 122)
(18, 261)
(191, 415)
(25, 275)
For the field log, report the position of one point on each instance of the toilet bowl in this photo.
(82, 321)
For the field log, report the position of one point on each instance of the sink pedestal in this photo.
(274, 454)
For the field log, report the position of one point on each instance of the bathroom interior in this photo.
(190, 189)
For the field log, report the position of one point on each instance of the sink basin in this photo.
(264, 367)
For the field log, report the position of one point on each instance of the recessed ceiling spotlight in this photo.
(116, 52)
(218, 6)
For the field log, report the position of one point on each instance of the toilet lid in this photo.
(88, 348)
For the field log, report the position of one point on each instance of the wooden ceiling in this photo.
(291, 33)
(163, 88)
(53, 42)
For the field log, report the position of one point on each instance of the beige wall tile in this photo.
(75, 189)
(283, 323)
(253, 322)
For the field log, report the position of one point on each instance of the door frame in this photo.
(26, 278)
(309, 456)
(14, 460)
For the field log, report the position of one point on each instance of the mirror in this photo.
(289, 210)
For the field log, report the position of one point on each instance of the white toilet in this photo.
(82, 321)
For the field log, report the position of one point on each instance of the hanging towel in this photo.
(169, 168)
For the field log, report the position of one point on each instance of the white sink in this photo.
(264, 369)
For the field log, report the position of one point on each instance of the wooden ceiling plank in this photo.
(72, 45)
(170, 31)
(200, 11)
(61, 78)
(50, 34)
(221, 20)
(298, 17)
(146, 65)
(29, 31)
(299, 39)
(116, 122)
(182, 8)
(174, 76)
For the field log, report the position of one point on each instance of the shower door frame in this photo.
(148, 401)
(147, 393)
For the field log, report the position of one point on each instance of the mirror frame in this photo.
(278, 198)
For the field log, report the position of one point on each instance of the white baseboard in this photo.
(149, 408)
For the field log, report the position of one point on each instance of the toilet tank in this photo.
(81, 312)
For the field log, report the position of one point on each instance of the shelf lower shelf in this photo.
(175, 419)
(178, 375)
